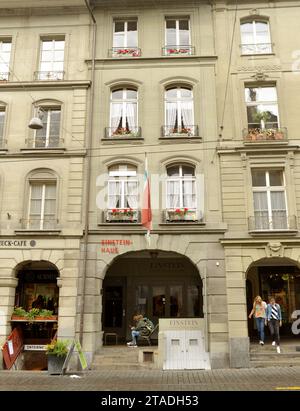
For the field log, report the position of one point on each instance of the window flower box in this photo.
(258, 134)
(122, 131)
(126, 52)
(122, 215)
(181, 214)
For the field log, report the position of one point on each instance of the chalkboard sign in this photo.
(82, 359)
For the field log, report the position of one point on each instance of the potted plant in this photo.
(263, 117)
(19, 313)
(56, 353)
(32, 314)
(46, 315)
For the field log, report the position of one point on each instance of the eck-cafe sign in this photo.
(17, 243)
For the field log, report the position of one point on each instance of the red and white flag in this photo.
(146, 207)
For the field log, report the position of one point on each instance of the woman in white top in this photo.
(259, 311)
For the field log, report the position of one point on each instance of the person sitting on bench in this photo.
(143, 327)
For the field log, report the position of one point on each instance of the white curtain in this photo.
(261, 210)
(116, 115)
(131, 115)
(113, 194)
(187, 113)
(279, 214)
(171, 114)
(189, 195)
(131, 194)
(173, 194)
(50, 206)
(35, 205)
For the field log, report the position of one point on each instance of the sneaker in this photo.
(261, 343)
(273, 343)
(278, 349)
(132, 345)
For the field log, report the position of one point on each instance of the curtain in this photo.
(279, 214)
(189, 195)
(171, 115)
(35, 205)
(50, 206)
(54, 128)
(131, 114)
(187, 113)
(131, 194)
(41, 134)
(116, 115)
(261, 210)
(173, 194)
(114, 195)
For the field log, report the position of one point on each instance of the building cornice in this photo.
(41, 85)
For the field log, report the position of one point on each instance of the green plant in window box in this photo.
(19, 313)
(56, 352)
(34, 312)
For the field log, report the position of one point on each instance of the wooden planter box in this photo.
(37, 318)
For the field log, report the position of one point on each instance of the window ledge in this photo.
(190, 139)
(28, 231)
(258, 54)
(125, 223)
(42, 150)
(273, 232)
(129, 139)
(3, 150)
(183, 223)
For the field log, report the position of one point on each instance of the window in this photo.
(177, 39)
(49, 135)
(269, 198)
(256, 37)
(5, 51)
(181, 193)
(179, 112)
(262, 107)
(2, 122)
(52, 59)
(123, 196)
(123, 113)
(42, 205)
(125, 39)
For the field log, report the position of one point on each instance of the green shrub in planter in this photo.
(57, 352)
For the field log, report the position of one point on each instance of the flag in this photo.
(146, 208)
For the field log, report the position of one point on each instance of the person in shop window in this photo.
(274, 321)
(259, 311)
(38, 303)
(143, 326)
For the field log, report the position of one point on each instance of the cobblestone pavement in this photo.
(254, 379)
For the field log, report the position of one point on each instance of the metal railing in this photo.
(43, 142)
(267, 134)
(39, 224)
(178, 50)
(181, 214)
(258, 48)
(121, 215)
(279, 220)
(49, 75)
(120, 52)
(4, 76)
(186, 131)
(122, 132)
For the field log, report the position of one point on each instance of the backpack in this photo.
(149, 324)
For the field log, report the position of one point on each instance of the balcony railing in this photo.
(40, 224)
(252, 135)
(122, 132)
(42, 142)
(186, 131)
(121, 215)
(181, 214)
(120, 52)
(279, 220)
(262, 48)
(4, 76)
(178, 50)
(49, 75)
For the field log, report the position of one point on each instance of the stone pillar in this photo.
(7, 300)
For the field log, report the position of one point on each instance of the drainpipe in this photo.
(88, 171)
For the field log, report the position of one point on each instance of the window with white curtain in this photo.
(269, 199)
(42, 205)
(52, 59)
(5, 52)
(2, 122)
(177, 32)
(49, 135)
(181, 187)
(262, 107)
(124, 112)
(123, 187)
(179, 111)
(125, 34)
(255, 36)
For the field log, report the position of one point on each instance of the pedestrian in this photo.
(274, 320)
(259, 312)
(143, 326)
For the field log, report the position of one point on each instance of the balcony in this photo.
(260, 135)
(37, 224)
(180, 215)
(261, 48)
(180, 132)
(121, 215)
(175, 51)
(278, 221)
(40, 143)
(4, 76)
(122, 133)
(124, 52)
(49, 75)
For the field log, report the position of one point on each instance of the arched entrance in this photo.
(157, 284)
(278, 278)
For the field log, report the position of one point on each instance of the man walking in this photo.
(274, 320)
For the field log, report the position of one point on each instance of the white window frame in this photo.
(5, 74)
(177, 31)
(178, 100)
(124, 102)
(41, 73)
(43, 199)
(269, 189)
(122, 177)
(262, 103)
(47, 111)
(2, 110)
(126, 33)
(257, 45)
(181, 179)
